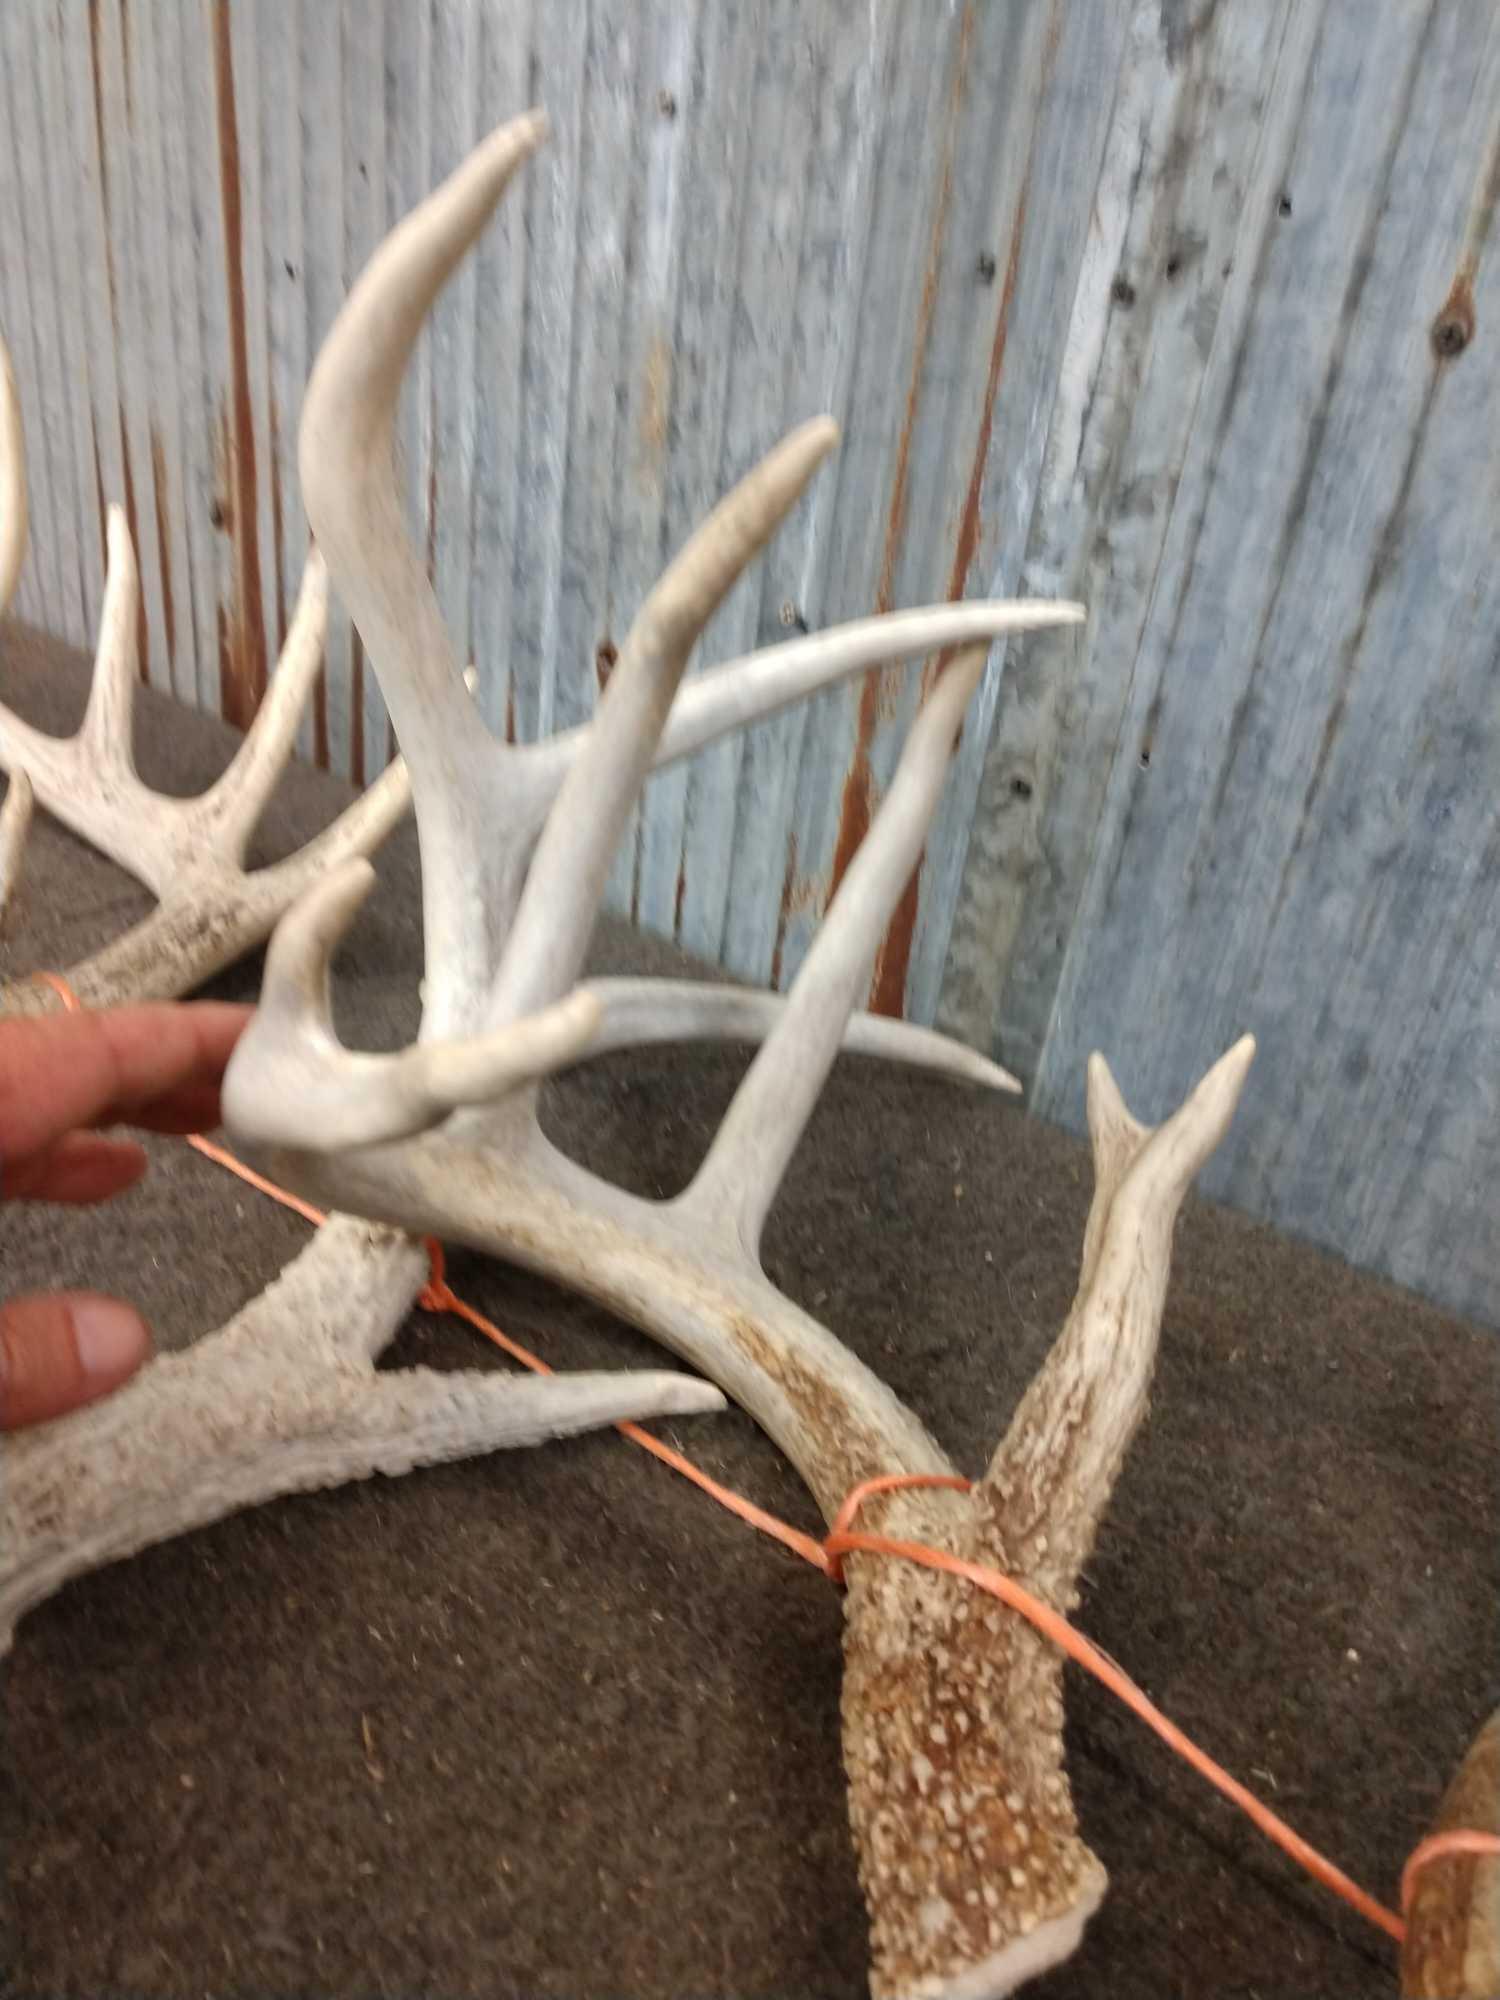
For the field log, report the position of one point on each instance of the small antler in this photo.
(189, 852)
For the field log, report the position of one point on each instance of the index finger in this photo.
(61, 1071)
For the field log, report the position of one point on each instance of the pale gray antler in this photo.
(190, 853)
(974, 1873)
(286, 1395)
(290, 1379)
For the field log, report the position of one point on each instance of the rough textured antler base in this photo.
(1452, 1948)
(1318, 1442)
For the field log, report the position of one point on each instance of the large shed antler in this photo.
(285, 1396)
(973, 1870)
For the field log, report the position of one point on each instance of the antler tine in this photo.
(640, 1013)
(346, 456)
(12, 483)
(290, 1073)
(743, 1168)
(756, 685)
(238, 798)
(15, 824)
(105, 738)
(1055, 1468)
(555, 917)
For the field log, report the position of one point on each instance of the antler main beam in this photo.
(974, 1874)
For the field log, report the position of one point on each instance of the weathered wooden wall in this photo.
(1180, 308)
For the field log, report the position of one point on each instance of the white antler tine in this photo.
(747, 690)
(743, 1168)
(238, 799)
(15, 824)
(292, 1082)
(12, 483)
(641, 1013)
(558, 906)
(358, 830)
(296, 985)
(1174, 1152)
(419, 1416)
(346, 458)
(106, 731)
(1061, 1452)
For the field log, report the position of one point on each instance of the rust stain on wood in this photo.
(678, 898)
(163, 549)
(893, 961)
(856, 804)
(142, 641)
(99, 499)
(356, 707)
(99, 137)
(970, 522)
(276, 523)
(895, 520)
(243, 672)
(510, 710)
(789, 876)
(126, 64)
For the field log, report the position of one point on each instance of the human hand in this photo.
(62, 1078)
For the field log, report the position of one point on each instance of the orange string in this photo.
(1459, 1840)
(827, 1555)
(71, 1002)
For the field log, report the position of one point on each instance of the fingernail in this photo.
(111, 1338)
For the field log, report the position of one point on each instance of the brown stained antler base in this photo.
(972, 1867)
(1452, 1948)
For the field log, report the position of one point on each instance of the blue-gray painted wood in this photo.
(1132, 302)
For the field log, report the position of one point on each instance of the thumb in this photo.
(60, 1349)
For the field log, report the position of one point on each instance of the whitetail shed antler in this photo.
(973, 1870)
(286, 1396)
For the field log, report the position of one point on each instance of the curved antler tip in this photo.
(583, 1011)
(1234, 1065)
(325, 911)
(822, 433)
(512, 143)
(1104, 1102)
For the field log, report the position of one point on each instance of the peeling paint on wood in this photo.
(1187, 312)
